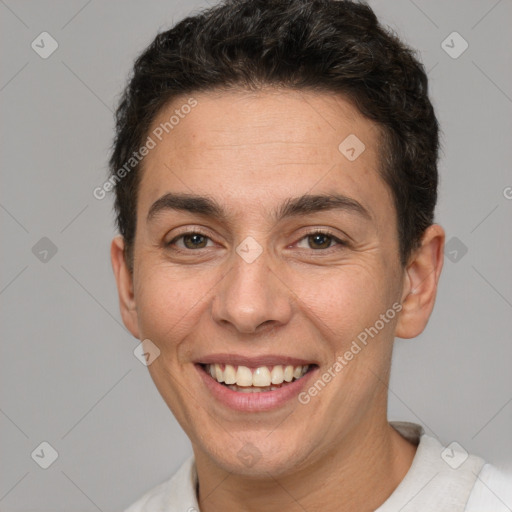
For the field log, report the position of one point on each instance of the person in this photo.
(275, 176)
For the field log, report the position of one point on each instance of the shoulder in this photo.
(448, 478)
(492, 490)
(174, 494)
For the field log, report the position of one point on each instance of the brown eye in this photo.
(194, 241)
(190, 241)
(319, 241)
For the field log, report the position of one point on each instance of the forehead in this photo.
(253, 150)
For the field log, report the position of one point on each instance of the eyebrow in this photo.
(306, 204)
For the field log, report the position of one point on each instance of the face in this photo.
(243, 267)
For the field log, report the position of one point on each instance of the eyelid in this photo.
(189, 230)
(327, 232)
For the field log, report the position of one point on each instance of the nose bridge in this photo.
(251, 294)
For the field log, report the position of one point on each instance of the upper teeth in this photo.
(260, 377)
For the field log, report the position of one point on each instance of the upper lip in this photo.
(253, 361)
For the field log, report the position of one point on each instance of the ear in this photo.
(124, 281)
(420, 283)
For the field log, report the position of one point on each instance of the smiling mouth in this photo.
(256, 380)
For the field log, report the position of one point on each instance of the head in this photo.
(279, 207)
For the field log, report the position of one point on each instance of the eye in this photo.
(318, 240)
(191, 240)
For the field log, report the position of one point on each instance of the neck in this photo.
(359, 475)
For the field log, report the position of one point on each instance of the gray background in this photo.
(68, 373)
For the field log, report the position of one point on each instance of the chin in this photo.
(258, 455)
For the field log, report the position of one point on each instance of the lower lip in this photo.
(257, 401)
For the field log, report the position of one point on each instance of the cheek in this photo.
(346, 301)
(168, 304)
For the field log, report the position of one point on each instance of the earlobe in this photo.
(125, 290)
(420, 283)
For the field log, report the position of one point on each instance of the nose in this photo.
(252, 296)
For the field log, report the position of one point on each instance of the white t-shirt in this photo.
(440, 479)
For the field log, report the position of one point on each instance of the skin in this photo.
(251, 151)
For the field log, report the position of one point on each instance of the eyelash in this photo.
(329, 234)
(323, 232)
